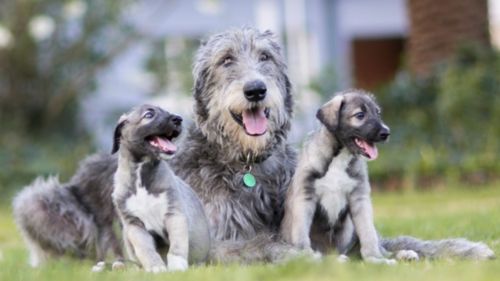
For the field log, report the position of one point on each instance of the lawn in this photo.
(472, 212)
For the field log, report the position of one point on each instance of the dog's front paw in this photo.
(311, 254)
(117, 265)
(380, 260)
(156, 269)
(407, 255)
(343, 259)
(99, 266)
(176, 263)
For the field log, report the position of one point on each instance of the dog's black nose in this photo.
(176, 120)
(384, 134)
(255, 90)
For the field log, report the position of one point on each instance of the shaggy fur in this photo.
(160, 214)
(220, 148)
(328, 205)
(74, 218)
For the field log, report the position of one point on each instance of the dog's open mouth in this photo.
(369, 150)
(164, 142)
(253, 120)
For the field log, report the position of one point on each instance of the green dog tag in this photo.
(249, 180)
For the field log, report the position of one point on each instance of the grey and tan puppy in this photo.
(159, 211)
(328, 204)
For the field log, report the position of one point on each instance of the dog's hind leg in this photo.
(299, 212)
(37, 256)
(107, 240)
(116, 248)
(51, 221)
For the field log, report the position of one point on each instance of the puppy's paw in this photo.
(117, 265)
(343, 259)
(380, 260)
(156, 269)
(407, 255)
(311, 254)
(99, 266)
(176, 263)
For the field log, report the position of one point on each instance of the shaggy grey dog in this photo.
(73, 218)
(328, 205)
(236, 156)
(160, 214)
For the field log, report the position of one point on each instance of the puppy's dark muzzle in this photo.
(169, 125)
(255, 90)
(174, 125)
(383, 134)
(175, 120)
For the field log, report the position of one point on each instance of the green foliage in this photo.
(170, 62)
(445, 124)
(23, 158)
(56, 51)
(326, 83)
(460, 212)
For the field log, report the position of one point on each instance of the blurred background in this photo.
(68, 69)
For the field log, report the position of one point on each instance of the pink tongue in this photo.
(164, 144)
(371, 150)
(255, 121)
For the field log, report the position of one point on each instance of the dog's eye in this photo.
(264, 57)
(360, 115)
(227, 60)
(149, 114)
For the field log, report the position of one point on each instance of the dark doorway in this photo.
(376, 60)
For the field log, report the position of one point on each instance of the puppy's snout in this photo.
(255, 90)
(176, 120)
(384, 133)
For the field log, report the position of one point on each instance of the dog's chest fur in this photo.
(149, 208)
(340, 180)
(235, 211)
(146, 203)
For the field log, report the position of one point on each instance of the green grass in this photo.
(473, 213)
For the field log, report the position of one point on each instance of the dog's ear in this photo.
(118, 133)
(329, 113)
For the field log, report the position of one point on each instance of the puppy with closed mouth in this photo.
(159, 212)
(328, 203)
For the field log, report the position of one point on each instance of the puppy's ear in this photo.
(329, 113)
(118, 133)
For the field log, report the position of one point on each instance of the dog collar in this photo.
(249, 180)
(249, 159)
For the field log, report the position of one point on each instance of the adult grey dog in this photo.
(235, 155)
(328, 205)
(159, 211)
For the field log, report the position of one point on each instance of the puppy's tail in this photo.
(437, 249)
(51, 221)
(259, 249)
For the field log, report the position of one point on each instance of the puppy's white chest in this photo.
(149, 208)
(334, 187)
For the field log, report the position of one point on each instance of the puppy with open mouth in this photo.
(330, 192)
(159, 212)
(328, 204)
